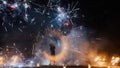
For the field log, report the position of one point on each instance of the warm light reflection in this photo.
(2, 59)
(62, 54)
(108, 67)
(100, 61)
(89, 66)
(14, 59)
(38, 65)
(115, 60)
(64, 66)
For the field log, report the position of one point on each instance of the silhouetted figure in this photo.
(52, 50)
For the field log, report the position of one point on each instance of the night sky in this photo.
(98, 17)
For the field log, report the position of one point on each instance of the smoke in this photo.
(72, 49)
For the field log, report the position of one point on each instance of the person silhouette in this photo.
(52, 51)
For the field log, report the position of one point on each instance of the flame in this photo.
(38, 65)
(2, 59)
(115, 60)
(100, 61)
(63, 52)
(89, 66)
(64, 66)
(108, 67)
(14, 59)
(103, 61)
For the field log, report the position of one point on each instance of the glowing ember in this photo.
(64, 66)
(108, 67)
(38, 65)
(115, 60)
(52, 20)
(14, 59)
(12, 7)
(100, 61)
(2, 60)
(89, 66)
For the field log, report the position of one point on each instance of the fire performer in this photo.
(52, 50)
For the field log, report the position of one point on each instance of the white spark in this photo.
(4, 2)
(61, 15)
(59, 9)
(26, 5)
(20, 29)
(16, 5)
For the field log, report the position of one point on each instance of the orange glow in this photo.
(100, 61)
(2, 59)
(89, 66)
(7, 49)
(64, 48)
(108, 67)
(38, 65)
(115, 60)
(14, 59)
(64, 66)
(62, 54)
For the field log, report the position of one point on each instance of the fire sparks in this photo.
(108, 67)
(63, 52)
(115, 60)
(2, 60)
(64, 66)
(106, 62)
(89, 66)
(14, 59)
(9, 61)
(38, 65)
(100, 61)
(55, 16)
(10, 56)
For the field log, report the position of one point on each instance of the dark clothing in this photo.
(52, 49)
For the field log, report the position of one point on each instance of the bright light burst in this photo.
(50, 16)
(100, 61)
(12, 13)
(21, 12)
(115, 60)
